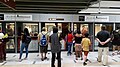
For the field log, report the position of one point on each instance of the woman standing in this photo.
(25, 34)
(78, 48)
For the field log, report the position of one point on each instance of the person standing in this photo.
(116, 41)
(78, 47)
(43, 48)
(69, 38)
(24, 35)
(1, 46)
(55, 47)
(103, 37)
(85, 45)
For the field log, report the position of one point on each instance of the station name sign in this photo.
(97, 18)
(18, 17)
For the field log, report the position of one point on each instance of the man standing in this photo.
(44, 40)
(55, 47)
(103, 37)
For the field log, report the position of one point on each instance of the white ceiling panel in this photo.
(105, 7)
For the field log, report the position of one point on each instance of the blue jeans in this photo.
(22, 48)
(69, 47)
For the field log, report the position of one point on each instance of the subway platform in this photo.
(67, 61)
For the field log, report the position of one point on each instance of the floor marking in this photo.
(74, 61)
(34, 62)
(114, 60)
(4, 63)
(14, 55)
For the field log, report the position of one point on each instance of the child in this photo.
(85, 45)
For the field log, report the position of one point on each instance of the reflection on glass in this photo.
(10, 31)
(32, 28)
(10, 44)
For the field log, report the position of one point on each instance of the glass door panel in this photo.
(10, 44)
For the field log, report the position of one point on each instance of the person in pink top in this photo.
(69, 42)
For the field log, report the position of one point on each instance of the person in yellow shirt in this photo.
(85, 46)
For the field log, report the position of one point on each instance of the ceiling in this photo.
(49, 6)
(52, 6)
(104, 7)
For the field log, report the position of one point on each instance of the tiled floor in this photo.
(67, 61)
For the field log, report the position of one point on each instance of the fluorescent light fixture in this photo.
(96, 10)
(105, 4)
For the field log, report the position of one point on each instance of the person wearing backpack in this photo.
(43, 43)
(25, 45)
(116, 41)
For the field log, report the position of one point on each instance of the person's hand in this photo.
(102, 43)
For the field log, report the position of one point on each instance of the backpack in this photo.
(28, 40)
(43, 40)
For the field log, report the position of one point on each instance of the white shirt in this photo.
(1, 35)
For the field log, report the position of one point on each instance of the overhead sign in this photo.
(11, 17)
(102, 19)
(1, 16)
(90, 18)
(97, 18)
(81, 18)
(9, 3)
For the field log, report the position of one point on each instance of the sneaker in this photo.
(113, 54)
(42, 59)
(118, 53)
(84, 63)
(104, 65)
(20, 60)
(86, 60)
(76, 58)
(97, 60)
(81, 58)
(25, 58)
(45, 58)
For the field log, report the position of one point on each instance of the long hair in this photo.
(26, 32)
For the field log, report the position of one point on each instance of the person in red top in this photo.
(69, 42)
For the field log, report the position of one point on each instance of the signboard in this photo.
(90, 18)
(9, 3)
(12, 17)
(1, 16)
(81, 18)
(97, 18)
(101, 18)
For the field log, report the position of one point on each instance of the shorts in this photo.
(43, 49)
(78, 47)
(86, 53)
(116, 42)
